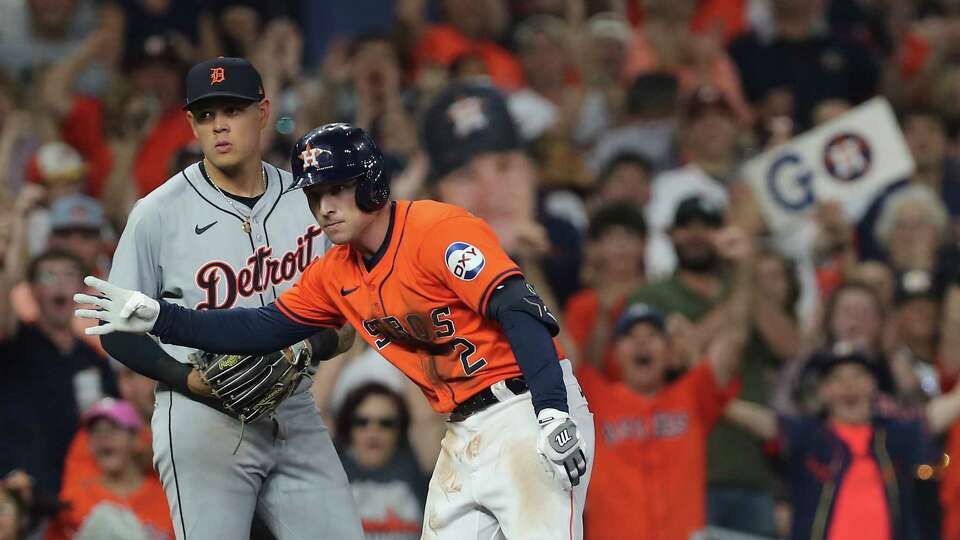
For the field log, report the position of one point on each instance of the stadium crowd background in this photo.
(609, 168)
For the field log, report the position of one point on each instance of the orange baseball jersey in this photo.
(147, 503)
(421, 301)
(80, 465)
(650, 474)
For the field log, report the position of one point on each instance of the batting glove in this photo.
(122, 310)
(559, 446)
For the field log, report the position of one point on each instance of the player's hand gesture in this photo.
(122, 310)
(560, 447)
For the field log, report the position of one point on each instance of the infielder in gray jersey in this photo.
(227, 232)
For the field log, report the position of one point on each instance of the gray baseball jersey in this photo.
(186, 243)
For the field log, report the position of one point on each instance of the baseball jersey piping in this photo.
(208, 201)
(393, 266)
(385, 246)
(498, 279)
(296, 317)
(266, 232)
(173, 464)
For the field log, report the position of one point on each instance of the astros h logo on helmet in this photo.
(311, 156)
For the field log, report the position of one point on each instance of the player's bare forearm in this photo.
(778, 329)
(943, 411)
(230, 331)
(346, 335)
(13, 271)
(754, 418)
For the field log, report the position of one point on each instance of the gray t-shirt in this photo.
(185, 243)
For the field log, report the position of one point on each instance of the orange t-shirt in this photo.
(721, 72)
(860, 510)
(171, 133)
(83, 129)
(442, 44)
(650, 474)
(421, 304)
(728, 17)
(80, 466)
(579, 320)
(148, 503)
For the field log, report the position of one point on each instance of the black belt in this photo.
(485, 398)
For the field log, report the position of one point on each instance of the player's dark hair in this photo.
(348, 412)
(617, 214)
(653, 95)
(53, 255)
(906, 114)
(620, 159)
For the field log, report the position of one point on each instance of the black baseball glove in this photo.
(252, 386)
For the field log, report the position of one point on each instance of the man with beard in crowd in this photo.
(697, 299)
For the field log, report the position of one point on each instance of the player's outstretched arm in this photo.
(228, 331)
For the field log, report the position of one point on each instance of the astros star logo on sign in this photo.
(311, 156)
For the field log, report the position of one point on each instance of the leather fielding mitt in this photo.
(251, 386)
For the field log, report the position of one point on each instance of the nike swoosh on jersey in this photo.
(344, 292)
(200, 230)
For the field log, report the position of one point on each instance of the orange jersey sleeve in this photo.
(464, 255)
(711, 398)
(307, 302)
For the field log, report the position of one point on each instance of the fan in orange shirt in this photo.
(112, 427)
(649, 480)
(81, 463)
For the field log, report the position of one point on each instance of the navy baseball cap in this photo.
(824, 361)
(464, 121)
(914, 285)
(223, 77)
(698, 209)
(640, 313)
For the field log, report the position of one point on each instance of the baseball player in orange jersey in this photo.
(429, 286)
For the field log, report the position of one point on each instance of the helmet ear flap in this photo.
(373, 189)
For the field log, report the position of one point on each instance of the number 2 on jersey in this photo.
(421, 336)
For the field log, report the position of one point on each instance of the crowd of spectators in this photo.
(742, 387)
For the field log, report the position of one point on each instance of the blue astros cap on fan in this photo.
(223, 77)
(465, 121)
(640, 313)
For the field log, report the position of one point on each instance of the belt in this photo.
(485, 398)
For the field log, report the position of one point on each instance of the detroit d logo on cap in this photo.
(217, 75)
(464, 260)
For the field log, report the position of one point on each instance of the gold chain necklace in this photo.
(246, 226)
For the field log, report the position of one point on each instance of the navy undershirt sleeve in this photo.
(537, 356)
(145, 356)
(230, 331)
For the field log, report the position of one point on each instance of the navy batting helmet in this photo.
(339, 153)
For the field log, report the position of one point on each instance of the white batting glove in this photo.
(123, 310)
(560, 447)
